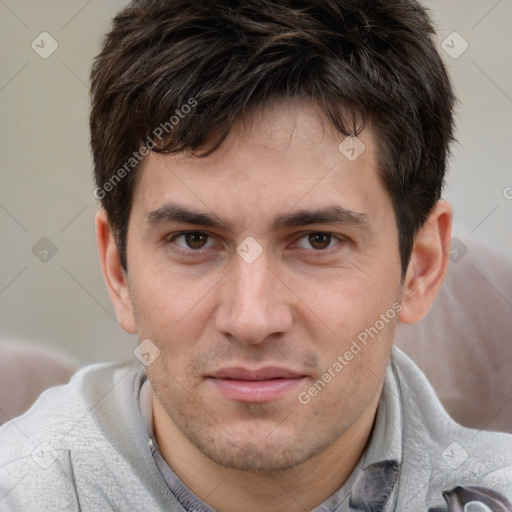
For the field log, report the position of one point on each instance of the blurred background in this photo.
(51, 289)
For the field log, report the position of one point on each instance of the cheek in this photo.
(352, 325)
(170, 307)
(353, 369)
(165, 296)
(342, 304)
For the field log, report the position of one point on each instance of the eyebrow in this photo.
(328, 215)
(169, 213)
(172, 213)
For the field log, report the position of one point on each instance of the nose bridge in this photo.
(252, 306)
(250, 284)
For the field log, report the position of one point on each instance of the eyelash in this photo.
(200, 252)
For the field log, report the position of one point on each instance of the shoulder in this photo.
(37, 447)
(61, 411)
(439, 455)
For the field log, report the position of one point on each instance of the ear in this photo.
(428, 264)
(114, 275)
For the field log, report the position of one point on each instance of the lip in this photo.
(265, 373)
(256, 385)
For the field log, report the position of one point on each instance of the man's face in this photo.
(245, 335)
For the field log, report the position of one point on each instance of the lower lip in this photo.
(256, 391)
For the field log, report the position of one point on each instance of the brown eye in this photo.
(195, 240)
(319, 240)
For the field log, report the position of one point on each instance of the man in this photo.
(270, 177)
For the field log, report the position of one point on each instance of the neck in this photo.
(295, 490)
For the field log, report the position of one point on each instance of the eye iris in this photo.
(319, 240)
(195, 240)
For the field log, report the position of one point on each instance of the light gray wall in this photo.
(45, 170)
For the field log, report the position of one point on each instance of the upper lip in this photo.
(266, 373)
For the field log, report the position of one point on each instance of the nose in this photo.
(253, 302)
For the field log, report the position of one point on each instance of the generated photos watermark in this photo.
(158, 133)
(356, 347)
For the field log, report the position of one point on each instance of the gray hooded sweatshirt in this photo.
(88, 446)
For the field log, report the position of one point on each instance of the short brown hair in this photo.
(373, 58)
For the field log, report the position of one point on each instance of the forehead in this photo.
(274, 159)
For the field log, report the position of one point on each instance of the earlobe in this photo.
(428, 264)
(113, 273)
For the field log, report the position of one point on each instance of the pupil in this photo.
(195, 240)
(320, 240)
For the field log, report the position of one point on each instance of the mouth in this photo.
(256, 386)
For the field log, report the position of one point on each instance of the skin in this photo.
(299, 305)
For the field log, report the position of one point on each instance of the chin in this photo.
(266, 453)
(263, 457)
